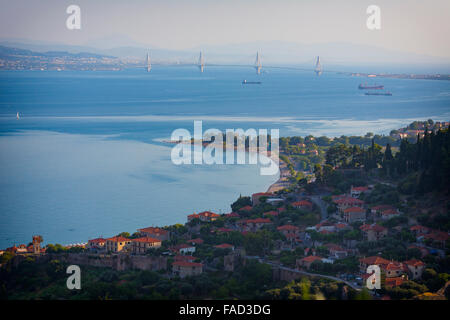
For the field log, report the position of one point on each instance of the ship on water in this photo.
(370, 87)
(387, 93)
(17, 116)
(251, 82)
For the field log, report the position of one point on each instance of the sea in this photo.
(87, 157)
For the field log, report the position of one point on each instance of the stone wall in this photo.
(118, 262)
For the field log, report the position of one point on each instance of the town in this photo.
(312, 235)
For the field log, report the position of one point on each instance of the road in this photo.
(350, 284)
(322, 206)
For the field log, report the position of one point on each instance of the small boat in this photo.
(17, 116)
(378, 93)
(251, 82)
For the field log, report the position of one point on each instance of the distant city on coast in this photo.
(213, 154)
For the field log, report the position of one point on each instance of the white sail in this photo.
(149, 64)
(258, 65)
(17, 116)
(201, 62)
(318, 69)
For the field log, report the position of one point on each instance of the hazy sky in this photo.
(407, 25)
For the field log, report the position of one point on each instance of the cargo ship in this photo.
(374, 87)
(378, 93)
(251, 82)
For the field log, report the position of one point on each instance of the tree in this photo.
(241, 202)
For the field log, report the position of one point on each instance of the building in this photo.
(184, 258)
(205, 216)
(389, 213)
(374, 260)
(37, 244)
(373, 232)
(394, 281)
(415, 268)
(96, 244)
(289, 231)
(376, 210)
(117, 244)
(271, 214)
(186, 268)
(256, 197)
(348, 202)
(305, 263)
(225, 246)
(183, 249)
(254, 225)
(355, 192)
(395, 269)
(142, 245)
(303, 205)
(336, 251)
(156, 233)
(354, 214)
(195, 241)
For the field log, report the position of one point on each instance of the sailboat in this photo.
(149, 64)
(201, 62)
(17, 116)
(318, 69)
(258, 65)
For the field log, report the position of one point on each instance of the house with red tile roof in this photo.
(271, 214)
(224, 246)
(224, 230)
(354, 214)
(246, 208)
(348, 202)
(394, 282)
(336, 250)
(195, 241)
(205, 216)
(338, 197)
(257, 196)
(373, 232)
(291, 232)
(355, 192)
(376, 210)
(156, 233)
(324, 226)
(415, 268)
(117, 244)
(342, 226)
(183, 248)
(96, 244)
(142, 245)
(374, 260)
(395, 269)
(303, 205)
(418, 229)
(306, 262)
(184, 258)
(187, 269)
(253, 225)
(389, 213)
(438, 238)
(232, 215)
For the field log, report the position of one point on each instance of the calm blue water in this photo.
(85, 159)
